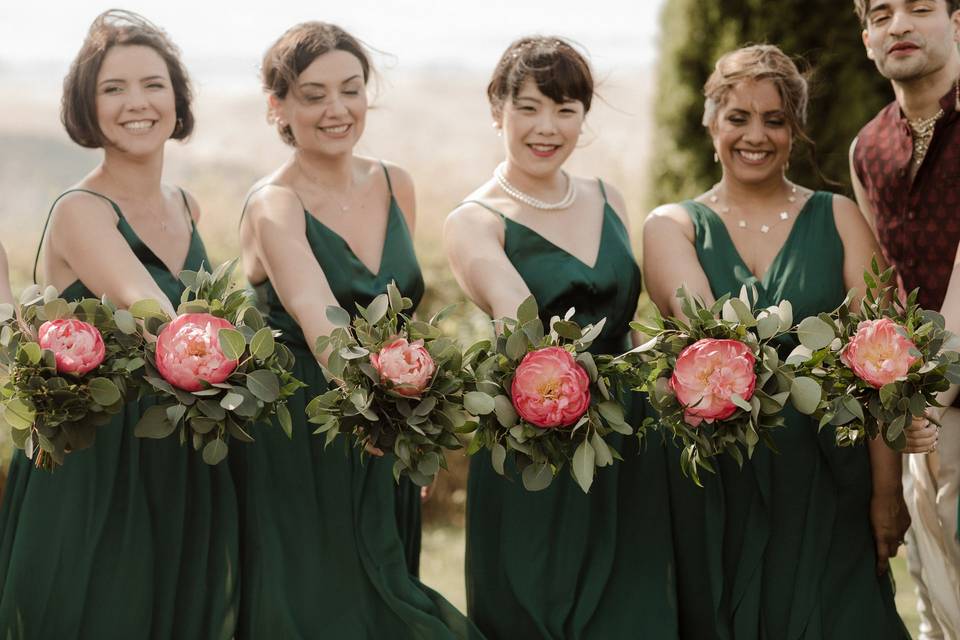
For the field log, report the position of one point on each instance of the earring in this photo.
(716, 157)
(179, 126)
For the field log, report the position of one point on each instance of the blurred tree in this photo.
(846, 89)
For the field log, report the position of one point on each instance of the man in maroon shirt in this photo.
(905, 167)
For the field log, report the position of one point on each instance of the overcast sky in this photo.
(227, 38)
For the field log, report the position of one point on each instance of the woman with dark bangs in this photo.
(559, 564)
(131, 538)
(330, 544)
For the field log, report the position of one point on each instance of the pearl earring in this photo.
(716, 157)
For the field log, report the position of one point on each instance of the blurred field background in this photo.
(430, 116)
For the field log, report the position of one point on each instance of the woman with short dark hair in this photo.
(557, 563)
(131, 538)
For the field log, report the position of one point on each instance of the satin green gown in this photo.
(782, 549)
(327, 536)
(559, 564)
(131, 538)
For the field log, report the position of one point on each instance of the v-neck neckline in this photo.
(346, 245)
(166, 267)
(603, 235)
(778, 258)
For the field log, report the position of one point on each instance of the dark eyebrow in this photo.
(122, 81)
(320, 85)
(531, 98)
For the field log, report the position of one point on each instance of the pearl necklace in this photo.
(783, 216)
(529, 200)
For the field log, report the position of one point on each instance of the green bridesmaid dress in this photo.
(131, 538)
(782, 549)
(328, 539)
(559, 564)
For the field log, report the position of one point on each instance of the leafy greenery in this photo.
(417, 430)
(51, 413)
(257, 389)
(541, 453)
(852, 406)
(652, 364)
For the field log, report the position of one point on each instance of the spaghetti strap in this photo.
(387, 174)
(36, 259)
(186, 205)
(603, 191)
(503, 218)
(243, 211)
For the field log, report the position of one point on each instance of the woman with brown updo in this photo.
(131, 538)
(794, 545)
(329, 543)
(559, 564)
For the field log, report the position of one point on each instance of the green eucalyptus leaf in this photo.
(805, 394)
(146, 308)
(232, 343)
(516, 345)
(103, 391)
(283, 417)
(264, 385)
(478, 403)
(378, 308)
(32, 352)
(584, 465)
(527, 310)
(567, 329)
(814, 333)
(262, 344)
(231, 401)
(154, 423)
(506, 414)
(19, 414)
(604, 457)
(337, 316)
(537, 476)
(125, 321)
(214, 452)
(498, 455)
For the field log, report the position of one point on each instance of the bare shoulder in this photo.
(470, 219)
(615, 198)
(275, 203)
(400, 178)
(848, 218)
(669, 218)
(80, 210)
(193, 206)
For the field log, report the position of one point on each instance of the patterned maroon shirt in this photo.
(918, 223)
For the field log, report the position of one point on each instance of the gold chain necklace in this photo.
(923, 128)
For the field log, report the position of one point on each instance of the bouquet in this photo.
(216, 368)
(544, 400)
(879, 367)
(716, 379)
(397, 385)
(70, 366)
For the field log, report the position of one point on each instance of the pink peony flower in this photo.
(708, 374)
(550, 389)
(78, 346)
(878, 352)
(407, 366)
(188, 351)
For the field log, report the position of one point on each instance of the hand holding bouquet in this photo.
(397, 385)
(216, 367)
(716, 379)
(880, 366)
(544, 400)
(70, 367)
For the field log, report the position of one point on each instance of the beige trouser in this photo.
(930, 487)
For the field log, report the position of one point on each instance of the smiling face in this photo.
(135, 100)
(751, 134)
(910, 39)
(540, 134)
(326, 109)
